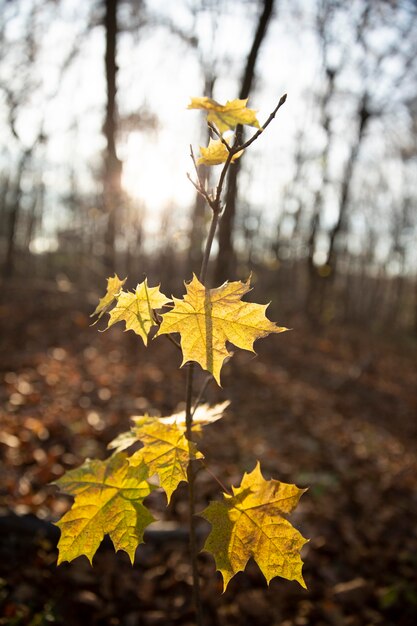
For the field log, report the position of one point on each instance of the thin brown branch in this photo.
(197, 401)
(237, 148)
(200, 186)
(199, 189)
(261, 130)
(218, 481)
(196, 185)
(222, 178)
(197, 171)
(194, 162)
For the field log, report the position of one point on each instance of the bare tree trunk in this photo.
(112, 165)
(415, 308)
(225, 264)
(340, 226)
(4, 191)
(314, 283)
(35, 213)
(13, 217)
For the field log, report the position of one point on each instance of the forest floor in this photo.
(334, 410)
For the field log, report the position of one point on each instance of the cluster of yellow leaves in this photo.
(166, 450)
(205, 318)
(225, 117)
(108, 495)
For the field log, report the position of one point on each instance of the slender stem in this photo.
(200, 394)
(218, 481)
(191, 497)
(189, 401)
(222, 179)
(209, 243)
(188, 432)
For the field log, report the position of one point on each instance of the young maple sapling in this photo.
(109, 496)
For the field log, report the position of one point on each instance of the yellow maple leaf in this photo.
(215, 153)
(226, 116)
(166, 452)
(252, 523)
(203, 415)
(108, 500)
(135, 309)
(114, 286)
(207, 318)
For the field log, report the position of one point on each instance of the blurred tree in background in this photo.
(94, 133)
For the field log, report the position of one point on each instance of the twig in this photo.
(195, 163)
(197, 171)
(199, 189)
(222, 178)
(237, 148)
(215, 477)
(197, 401)
(200, 186)
(261, 130)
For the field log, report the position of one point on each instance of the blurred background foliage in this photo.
(95, 147)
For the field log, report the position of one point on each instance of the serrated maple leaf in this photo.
(202, 416)
(114, 287)
(207, 318)
(135, 308)
(252, 523)
(166, 452)
(226, 116)
(108, 500)
(215, 153)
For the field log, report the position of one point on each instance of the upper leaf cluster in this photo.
(205, 319)
(224, 118)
